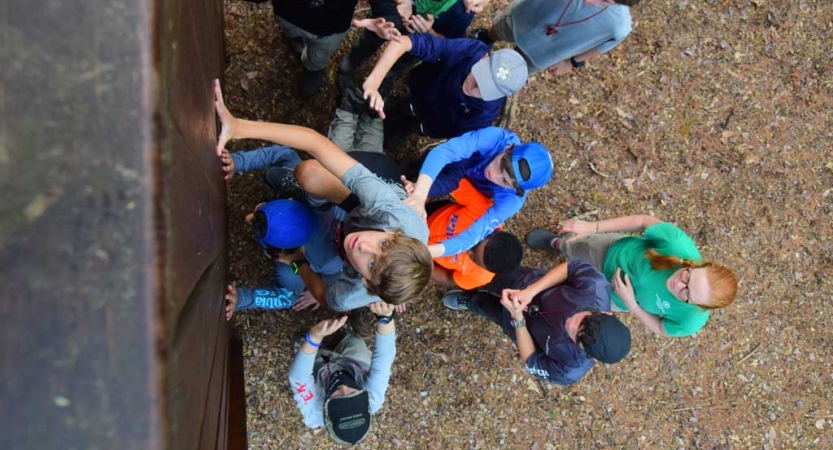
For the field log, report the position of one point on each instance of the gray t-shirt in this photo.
(531, 18)
(380, 209)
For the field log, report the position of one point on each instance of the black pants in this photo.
(486, 301)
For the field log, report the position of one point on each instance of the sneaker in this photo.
(482, 35)
(457, 300)
(542, 239)
(309, 82)
(283, 183)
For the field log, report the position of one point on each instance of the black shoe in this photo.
(310, 82)
(283, 183)
(482, 35)
(542, 239)
(352, 97)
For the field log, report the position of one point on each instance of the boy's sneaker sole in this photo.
(457, 300)
(542, 239)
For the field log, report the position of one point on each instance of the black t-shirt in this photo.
(319, 17)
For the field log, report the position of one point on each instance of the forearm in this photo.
(392, 53)
(314, 284)
(386, 329)
(652, 322)
(526, 346)
(299, 138)
(628, 223)
(442, 276)
(554, 277)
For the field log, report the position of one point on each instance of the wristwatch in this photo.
(517, 323)
(576, 64)
(296, 265)
(384, 320)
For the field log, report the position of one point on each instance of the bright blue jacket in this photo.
(467, 156)
(437, 86)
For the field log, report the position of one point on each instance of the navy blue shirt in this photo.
(437, 86)
(454, 22)
(557, 358)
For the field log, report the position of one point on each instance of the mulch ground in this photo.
(713, 115)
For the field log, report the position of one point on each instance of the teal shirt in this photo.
(679, 317)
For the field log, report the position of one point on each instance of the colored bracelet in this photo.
(384, 320)
(309, 341)
(296, 265)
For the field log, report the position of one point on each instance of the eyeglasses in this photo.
(685, 277)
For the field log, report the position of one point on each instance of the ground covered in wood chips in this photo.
(714, 115)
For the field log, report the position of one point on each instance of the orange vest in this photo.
(449, 221)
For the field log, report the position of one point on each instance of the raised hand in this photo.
(374, 99)
(228, 164)
(325, 328)
(226, 119)
(384, 29)
(231, 301)
(580, 228)
(382, 308)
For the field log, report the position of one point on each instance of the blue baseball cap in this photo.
(289, 223)
(532, 166)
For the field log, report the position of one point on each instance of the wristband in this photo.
(384, 320)
(296, 265)
(309, 341)
(517, 323)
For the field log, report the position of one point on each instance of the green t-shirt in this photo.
(679, 317)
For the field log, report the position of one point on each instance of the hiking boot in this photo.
(283, 183)
(457, 300)
(482, 35)
(542, 239)
(309, 82)
(352, 97)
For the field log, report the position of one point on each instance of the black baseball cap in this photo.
(347, 418)
(613, 342)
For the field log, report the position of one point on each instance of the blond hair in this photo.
(723, 283)
(402, 271)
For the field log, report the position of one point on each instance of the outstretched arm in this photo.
(300, 138)
(392, 53)
(628, 223)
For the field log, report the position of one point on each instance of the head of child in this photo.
(500, 252)
(392, 265)
(496, 75)
(521, 167)
(282, 226)
(346, 408)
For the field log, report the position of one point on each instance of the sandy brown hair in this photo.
(403, 270)
(723, 283)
